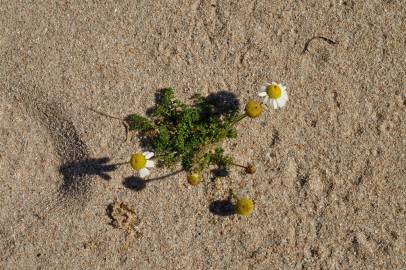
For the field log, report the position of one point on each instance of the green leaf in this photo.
(139, 123)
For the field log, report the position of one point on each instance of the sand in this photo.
(330, 189)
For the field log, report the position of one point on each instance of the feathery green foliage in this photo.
(190, 134)
(139, 123)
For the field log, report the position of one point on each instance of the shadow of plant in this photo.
(224, 102)
(75, 172)
(222, 208)
(134, 183)
(219, 172)
(137, 183)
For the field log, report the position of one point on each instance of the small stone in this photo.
(290, 173)
(315, 182)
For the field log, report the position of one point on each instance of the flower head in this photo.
(274, 94)
(244, 206)
(141, 162)
(253, 109)
(250, 169)
(193, 178)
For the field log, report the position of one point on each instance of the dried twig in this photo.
(306, 47)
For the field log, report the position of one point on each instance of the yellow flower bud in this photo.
(244, 206)
(193, 179)
(253, 109)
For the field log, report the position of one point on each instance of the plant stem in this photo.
(242, 116)
(233, 197)
(120, 163)
(157, 156)
(105, 114)
(127, 128)
(238, 165)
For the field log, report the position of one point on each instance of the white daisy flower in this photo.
(141, 162)
(275, 94)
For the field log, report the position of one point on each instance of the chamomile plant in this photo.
(192, 135)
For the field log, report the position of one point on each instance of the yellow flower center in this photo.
(244, 206)
(273, 91)
(138, 161)
(193, 179)
(253, 109)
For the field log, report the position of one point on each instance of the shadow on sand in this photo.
(137, 183)
(76, 174)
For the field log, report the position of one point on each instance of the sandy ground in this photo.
(330, 191)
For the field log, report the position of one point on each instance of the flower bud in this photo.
(193, 179)
(250, 169)
(244, 206)
(253, 109)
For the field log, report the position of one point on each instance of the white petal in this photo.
(266, 100)
(148, 155)
(262, 94)
(144, 172)
(263, 88)
(274, 104)
(281, 102)
(150, 164)
(285, 94)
